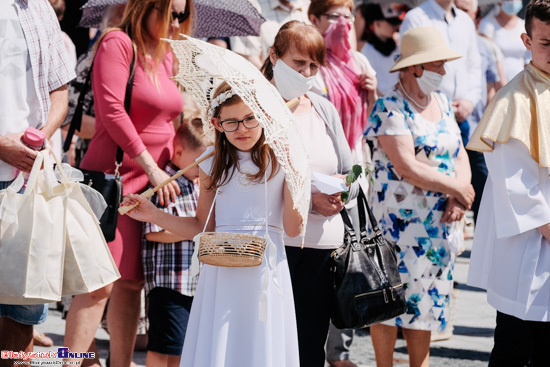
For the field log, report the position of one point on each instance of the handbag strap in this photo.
(76, 121)
(35, 172)
(347, 221)
(349, 231)
(363, 205)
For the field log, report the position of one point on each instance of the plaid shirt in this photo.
(168, 264)
(50, 62)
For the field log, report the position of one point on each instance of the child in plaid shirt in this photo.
(169, 285)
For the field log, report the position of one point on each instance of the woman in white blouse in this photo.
(505, 30)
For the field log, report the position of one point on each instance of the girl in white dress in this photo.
(242, 317)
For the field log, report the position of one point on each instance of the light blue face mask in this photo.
(512, 7)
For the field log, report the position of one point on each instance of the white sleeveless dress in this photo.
(224, 327)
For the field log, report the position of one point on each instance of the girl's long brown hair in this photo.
(226, 159)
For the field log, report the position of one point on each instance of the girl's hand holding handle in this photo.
(144, 212)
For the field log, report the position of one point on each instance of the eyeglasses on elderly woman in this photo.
(333, 17)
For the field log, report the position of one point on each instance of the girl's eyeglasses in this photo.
(181, 16)
(249, 122)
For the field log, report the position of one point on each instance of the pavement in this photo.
(469, 346)
(472, 339)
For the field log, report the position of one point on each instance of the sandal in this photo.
(41, 339)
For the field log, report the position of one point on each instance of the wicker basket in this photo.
(231, 249)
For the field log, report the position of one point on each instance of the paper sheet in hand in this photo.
(327, 184)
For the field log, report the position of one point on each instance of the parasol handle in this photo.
(150, 192)
(292, 103)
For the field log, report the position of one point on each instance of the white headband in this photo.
(220, 99)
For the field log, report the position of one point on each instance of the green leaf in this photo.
(357, 170)
(354, 174)
(369, 173)
(351, 177)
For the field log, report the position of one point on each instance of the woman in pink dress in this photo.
(145, 135)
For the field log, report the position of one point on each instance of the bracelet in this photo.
(154, 169)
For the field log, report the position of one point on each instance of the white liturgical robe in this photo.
(510, 257)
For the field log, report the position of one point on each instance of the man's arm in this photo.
(18, 155)
(473, 64)
(59, 99)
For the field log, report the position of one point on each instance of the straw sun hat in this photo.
(422, 45)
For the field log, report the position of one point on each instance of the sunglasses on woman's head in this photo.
(181, 16)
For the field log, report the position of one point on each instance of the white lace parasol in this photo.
(203, 66)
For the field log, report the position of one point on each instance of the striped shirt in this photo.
(168, 265)
(50, 62)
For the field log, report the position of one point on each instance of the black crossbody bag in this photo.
(109, 185)
(367, 284)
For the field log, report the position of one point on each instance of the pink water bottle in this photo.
(33, 138)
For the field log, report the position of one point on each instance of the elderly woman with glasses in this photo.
(347, 80)
(422, 189)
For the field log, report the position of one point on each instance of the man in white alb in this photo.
(511, 251)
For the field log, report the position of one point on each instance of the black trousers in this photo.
(312, 285)
(520, 343)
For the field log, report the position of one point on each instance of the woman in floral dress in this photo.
(422, 187)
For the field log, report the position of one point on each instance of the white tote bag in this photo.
(88, 264)
(32, 239)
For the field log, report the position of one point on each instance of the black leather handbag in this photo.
(108, 185)
(367, 285)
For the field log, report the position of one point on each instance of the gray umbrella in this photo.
(414, 3)
(93, 10)
(215, 18)
(226, 18)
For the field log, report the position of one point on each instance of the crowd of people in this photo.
(444, 102)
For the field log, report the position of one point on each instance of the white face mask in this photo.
(429, 81)
(290, 83)
(512, 7)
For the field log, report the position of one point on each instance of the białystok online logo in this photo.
(61, 353)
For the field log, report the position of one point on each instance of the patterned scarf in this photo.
(342, 80)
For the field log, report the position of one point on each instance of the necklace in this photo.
(411, 98)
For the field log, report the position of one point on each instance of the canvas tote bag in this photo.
(32, 239)
(88, 264)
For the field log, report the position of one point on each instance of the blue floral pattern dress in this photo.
(410, 215)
